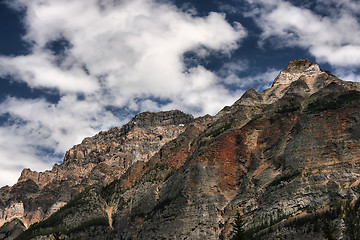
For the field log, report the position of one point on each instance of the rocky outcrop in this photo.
(11, 229)
(301, 77)
(97, 160)
(285, 159)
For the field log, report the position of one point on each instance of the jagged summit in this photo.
(300, 77)
(145, 120)
(158, 119)
(172, 117)
(250, 97)
(281, 158)
(97, 160)
(295, 70)
(310, 74)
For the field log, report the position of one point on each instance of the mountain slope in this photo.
(285, 157)
(97, 160)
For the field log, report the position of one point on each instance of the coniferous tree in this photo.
(238, 232)
(352, 221)
(329, 230)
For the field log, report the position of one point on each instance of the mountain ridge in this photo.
(271, 156)
(98, 159)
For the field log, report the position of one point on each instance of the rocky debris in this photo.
(97, 160)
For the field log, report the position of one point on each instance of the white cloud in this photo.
(38, 70)
(16, 153)
(135, 46)
(349, 6)
(68, 120)
(119, 54)
(37, 127)
(234, 67)
(333, 38)
(347, 74)
(261, 81)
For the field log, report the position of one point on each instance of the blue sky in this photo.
(69, 69)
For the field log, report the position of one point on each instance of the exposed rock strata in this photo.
(272, 156)
(97, 160)
(11, 229)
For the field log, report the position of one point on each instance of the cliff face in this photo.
(279, 157)
(271, 156)
(97, 160)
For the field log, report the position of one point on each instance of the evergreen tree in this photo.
(352, 221)
(329, 230)
(238, 232)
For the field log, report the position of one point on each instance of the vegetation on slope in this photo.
(328, 102)
(324, 224)
(86, 205)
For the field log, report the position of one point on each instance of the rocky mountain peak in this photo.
(299, 73)
(99, 159)
(300, 76)
(173, 117)
(281, 158)
(295, 70)
(250, 97)
(159, 119)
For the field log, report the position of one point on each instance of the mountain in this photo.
(97, 160)
(279, 164)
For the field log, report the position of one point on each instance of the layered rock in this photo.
(11, 229)
(97, 160)
(301, 77)
(283, 155)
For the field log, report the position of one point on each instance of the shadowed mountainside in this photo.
(97, 160)
(286, 159)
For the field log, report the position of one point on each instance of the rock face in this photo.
(286, 159)
(97, 160)
(11, 229)
(305, 76)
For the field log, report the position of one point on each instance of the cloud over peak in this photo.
(115, 54)
(104, 60)
(331, 35)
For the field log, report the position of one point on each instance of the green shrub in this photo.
(331, 103)
(329, 230)
(57, 231)
(52, 223)
(291, 106)
(44, 232)
(352, 220)
(219, 131)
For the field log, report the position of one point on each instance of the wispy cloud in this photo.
(110, 56)
(231, 74)
(115, 54)
(333, 38)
